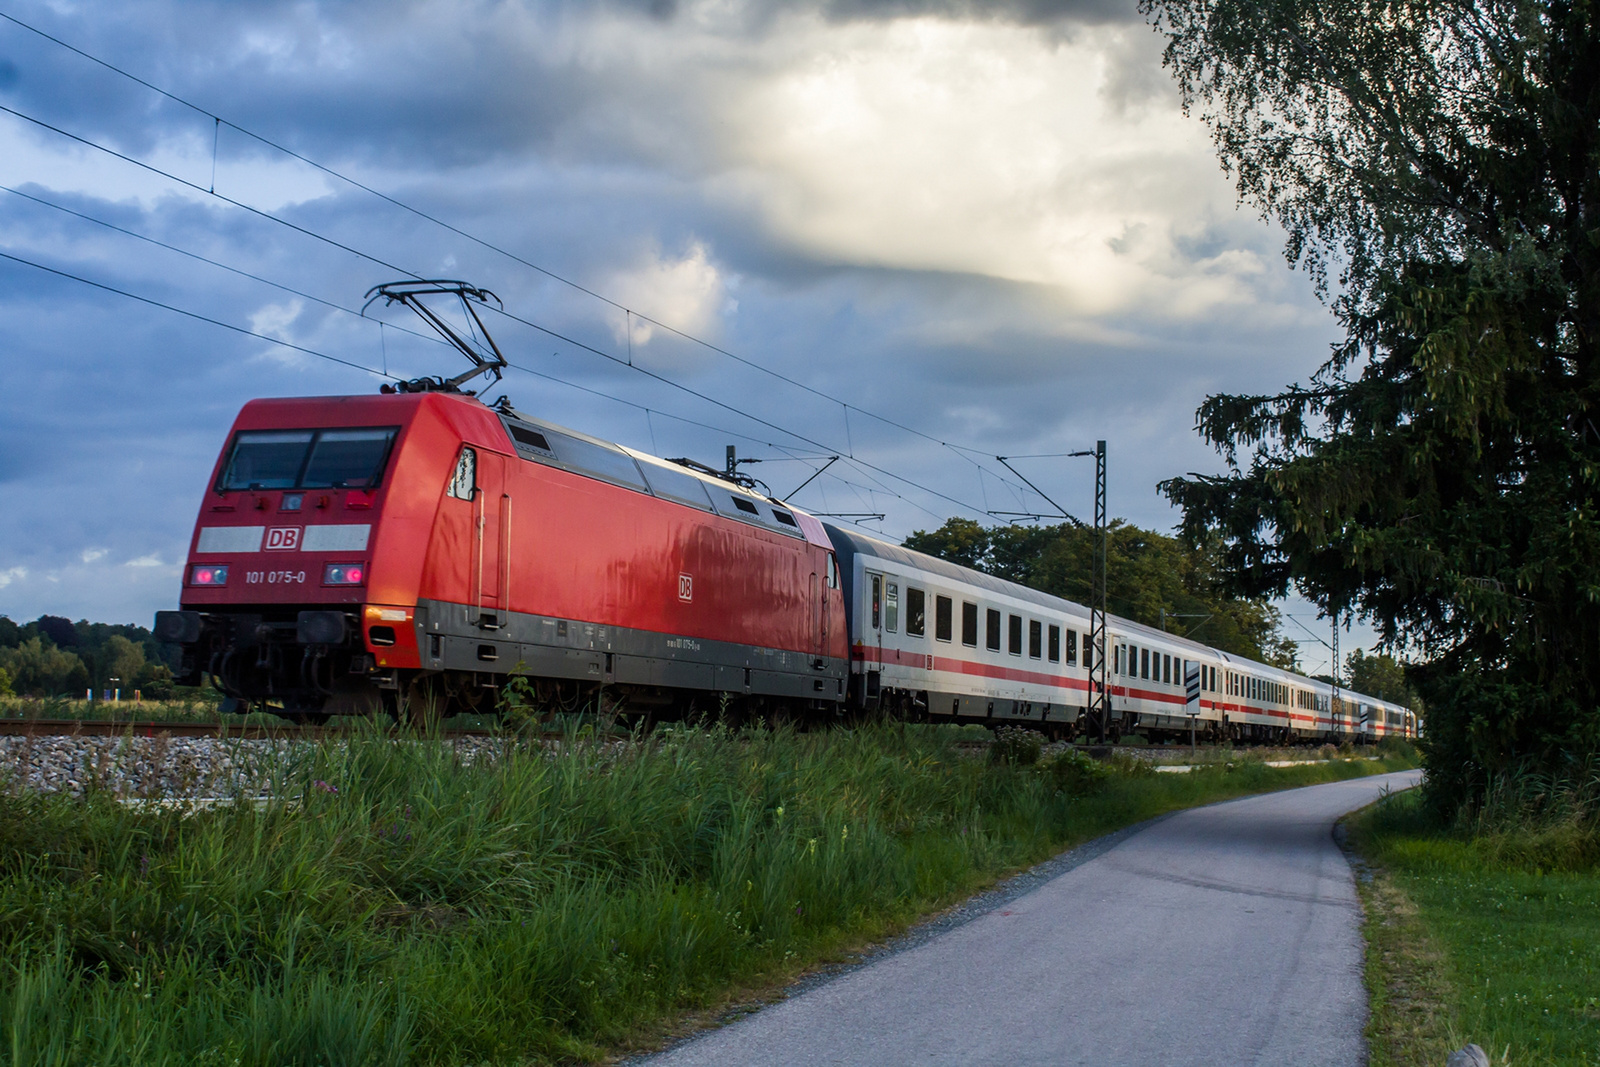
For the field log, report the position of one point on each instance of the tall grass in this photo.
(398, 904)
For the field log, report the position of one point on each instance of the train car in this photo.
(420, 548)
(1163, 685)
(931, 638)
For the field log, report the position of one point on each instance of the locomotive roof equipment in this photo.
(409, 293)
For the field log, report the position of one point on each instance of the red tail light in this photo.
(209, 574)
(344, 574)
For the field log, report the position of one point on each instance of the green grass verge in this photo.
(408, 908)
(1489, 937)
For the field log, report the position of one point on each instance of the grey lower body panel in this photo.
(960, 707)
(545, 647)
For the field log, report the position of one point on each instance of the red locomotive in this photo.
(424, 543)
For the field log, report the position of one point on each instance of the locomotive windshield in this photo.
(307, 459)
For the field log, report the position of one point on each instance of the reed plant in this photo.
(412, 902)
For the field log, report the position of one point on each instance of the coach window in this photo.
(877, 601)
(1144, 663)
(991, 636)
(1053, 645)
(943, 621)
(891, 606)
(1088, 651)
(464, 482)
(1035, 638)
(1166, 669)
(1014, 632)
(969, 624)
(916, 611)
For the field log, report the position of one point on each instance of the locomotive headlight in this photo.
(209, 574)
(344, 574)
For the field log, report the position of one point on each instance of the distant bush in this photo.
(1016, 745)
(1125, 766)
(1075, 774)
(1399, 747)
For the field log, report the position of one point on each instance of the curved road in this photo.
(1223, 935)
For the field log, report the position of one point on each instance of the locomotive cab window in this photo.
(991, 637)
(943, 618)
(346, 459)
(307, 459)
(464, 482)
(969, 624)
(916, 606)
(833, 572)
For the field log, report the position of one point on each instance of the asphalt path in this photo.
(1222, 935)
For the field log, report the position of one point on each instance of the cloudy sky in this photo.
(988, 223)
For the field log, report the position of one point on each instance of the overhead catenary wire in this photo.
(196, 315)
(218, 121)
(376, 372)
(381, 325)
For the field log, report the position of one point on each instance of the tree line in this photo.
(1150, 578)
(53, 656)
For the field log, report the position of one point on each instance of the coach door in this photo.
(875, 618)
(817, 615)
(491, 577)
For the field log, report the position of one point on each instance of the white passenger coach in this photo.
(933, 639)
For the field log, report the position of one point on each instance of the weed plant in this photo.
(402, 904)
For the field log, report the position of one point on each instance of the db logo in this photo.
(282, 539)
(685, 587)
